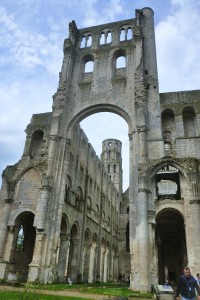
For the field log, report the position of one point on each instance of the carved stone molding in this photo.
(195, 201)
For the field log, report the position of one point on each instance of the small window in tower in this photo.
(109, 168)
(89, 66)
(109, 152)
(114, 168)
(110, 144)
(121, 62)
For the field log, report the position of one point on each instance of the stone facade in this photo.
(63, 213)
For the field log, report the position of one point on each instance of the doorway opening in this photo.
(171, 245)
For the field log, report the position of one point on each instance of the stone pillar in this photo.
(35, 265)
(102, 264)
(3, 226)
(115, 268)
(193, 252)
(142, 235)
(142, 143)
(40, 216)
(91, 277)
(106, 270)
(63, 255)
(153, 261)
(5, 263)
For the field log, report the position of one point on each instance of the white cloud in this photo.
(178, 43)
(28, 49)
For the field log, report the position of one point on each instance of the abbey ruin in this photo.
(69, 204)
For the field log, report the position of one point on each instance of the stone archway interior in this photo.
(171, 245)
(25, 240)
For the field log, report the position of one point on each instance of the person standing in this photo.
(187, 286)
(198, 278)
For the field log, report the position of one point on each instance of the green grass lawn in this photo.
(109, 289)
(25, 295)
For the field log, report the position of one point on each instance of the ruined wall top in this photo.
(109, 33)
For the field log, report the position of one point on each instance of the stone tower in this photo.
(76, 222)
(112, 160)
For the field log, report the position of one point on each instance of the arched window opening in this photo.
(121, 62)
(86, 40)
(168, 183)
(68, 190)
(83, 42)
(108, 168)
(89, 41)
(36, 142)
(102, 38)
(189, 122)
(89, 66)
(126, 33)
(105, 37)
(129, 34)
(109, 38)
(168, 128)
(78, 199)
(109, 153)
(127, 210)
(122, 35)
(20, 239)
(114, 168)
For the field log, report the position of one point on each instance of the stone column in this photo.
(91, 276)
(105, 273)
(115, 268)
(35, 265)
(142, 143)
(102, 264)
(142, 235)
(4, 224)
(153, 262)
(5, 261)
(193, 252)
(40, 216)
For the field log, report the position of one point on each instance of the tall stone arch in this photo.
(130, 94)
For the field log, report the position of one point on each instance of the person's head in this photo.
(198, 275)
(187, 272)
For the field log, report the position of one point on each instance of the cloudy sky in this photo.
(31, 40)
